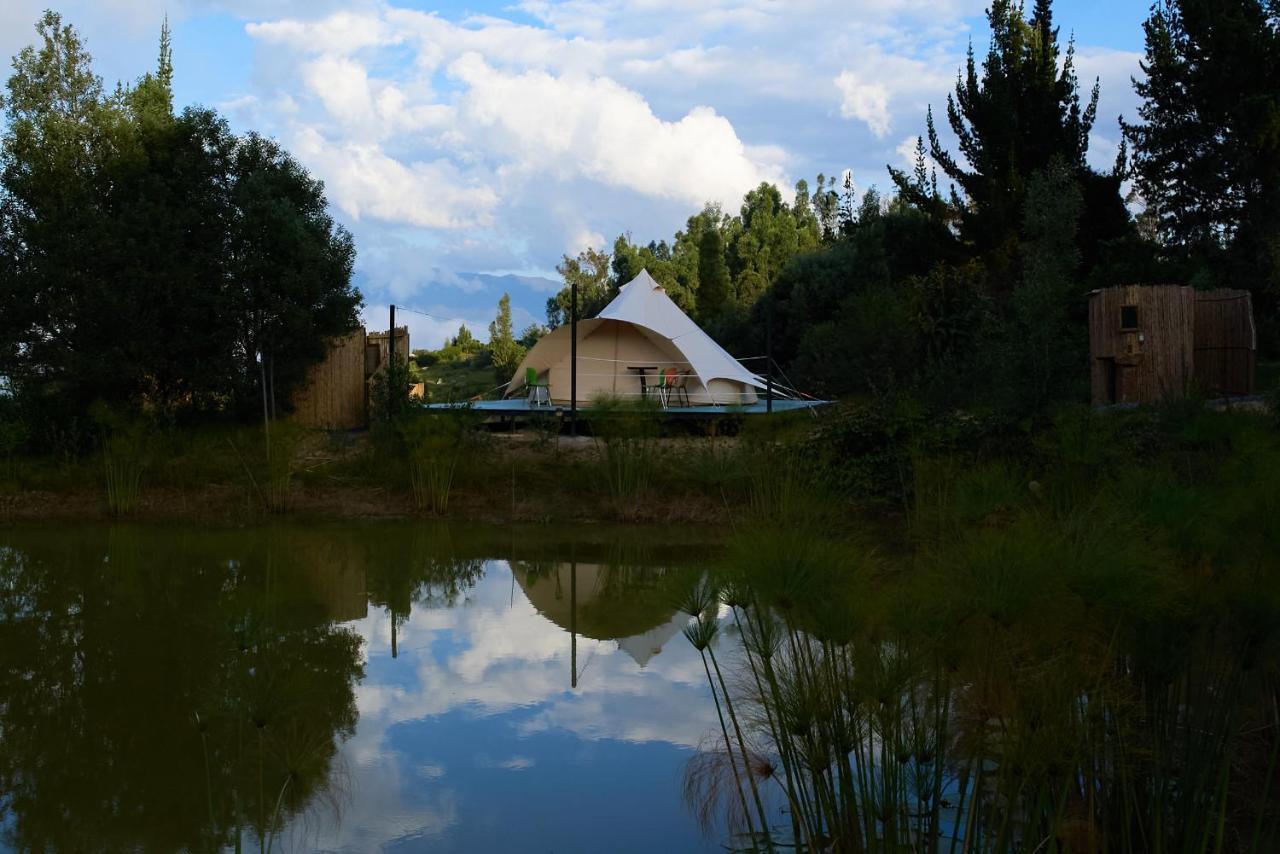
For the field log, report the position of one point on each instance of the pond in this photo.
(418, 686)
(396, 686)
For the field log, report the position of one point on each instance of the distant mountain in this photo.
(477, 294)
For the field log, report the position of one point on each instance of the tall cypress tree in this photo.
(1012, 119)
(713, 274)
(1206, 148)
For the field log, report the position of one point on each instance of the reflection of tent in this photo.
(640, 327)
(645, 646)
(613, 603)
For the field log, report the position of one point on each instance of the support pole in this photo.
(768, 356)
(391, 340)
(573, 358)
(573, 623)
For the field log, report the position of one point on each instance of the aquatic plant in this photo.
(434, 446)
(1085, 665)
(624, 432)
(125, 445)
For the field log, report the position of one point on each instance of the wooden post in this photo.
(391, 340)
(573, 358)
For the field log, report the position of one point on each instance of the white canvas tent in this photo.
(641, 327)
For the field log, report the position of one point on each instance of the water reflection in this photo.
(988, 700)
(407, 687)
(159, 693)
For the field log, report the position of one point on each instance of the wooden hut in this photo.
(334, 395)
(1155, 342)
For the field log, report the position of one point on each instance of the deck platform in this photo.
(515, 407)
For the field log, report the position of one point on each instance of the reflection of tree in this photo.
(417, 566)
(164, 691)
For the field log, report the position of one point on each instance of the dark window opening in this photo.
(1128, 317)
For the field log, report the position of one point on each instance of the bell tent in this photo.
(640, 336)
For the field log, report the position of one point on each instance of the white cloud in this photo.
(592, 126)
(501, 140)
(865, 101)
(363, 180)
(340, 34)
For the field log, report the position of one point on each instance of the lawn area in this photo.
(445, 382)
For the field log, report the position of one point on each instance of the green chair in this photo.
(539, 393)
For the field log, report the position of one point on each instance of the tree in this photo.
(1012, 121)
(713, 274)
(1044, 342)
(590, 270)
(153, 260)
(507, 353)
(464, 340)
(1206, 148)
(289, 266)
(656, 259)
(771, 232)
(530, 335)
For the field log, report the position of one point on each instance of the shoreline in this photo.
(223, 505)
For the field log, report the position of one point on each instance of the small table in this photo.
(642, 371)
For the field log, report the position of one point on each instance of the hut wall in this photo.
(333, 395)
(376, 349)
(1141, 342)
(1225, 342)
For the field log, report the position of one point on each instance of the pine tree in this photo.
(1020, 113)
(507, 353)
(713, 274)
(1206, 148)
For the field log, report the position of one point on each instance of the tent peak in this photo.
(643, 278)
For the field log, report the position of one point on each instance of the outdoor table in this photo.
(642, 372)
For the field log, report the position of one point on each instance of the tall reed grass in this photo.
(434, 446)
(1088, 665)
(126, 444)
(625, 432)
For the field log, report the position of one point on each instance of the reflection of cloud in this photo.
(513, 763)
(495, 661)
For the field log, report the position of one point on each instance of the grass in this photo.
(448, 382)
(1084, 665)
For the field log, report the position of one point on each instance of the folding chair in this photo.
(674, 386)
(539, 393)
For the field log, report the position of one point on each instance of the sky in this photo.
(457, 139)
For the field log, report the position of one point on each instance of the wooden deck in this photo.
(515, 407)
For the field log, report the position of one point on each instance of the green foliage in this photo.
(624, 432)
(1206, 148)
(1044, 341)
(713, 274)
(152, 260)
(1047, 629)
(590, 270)
(126, 442)
(506, 352)
(389, 392)
(434, 446)
(1012, 119)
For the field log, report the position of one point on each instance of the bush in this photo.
(389, 392)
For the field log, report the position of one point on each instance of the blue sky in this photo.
(476, 137)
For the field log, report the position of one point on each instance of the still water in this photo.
(402, 687)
